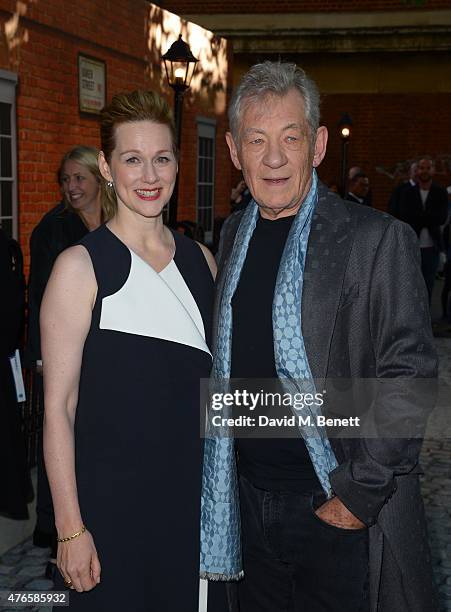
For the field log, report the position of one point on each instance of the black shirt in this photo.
(277, 463)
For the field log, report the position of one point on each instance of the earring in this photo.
(109, 183)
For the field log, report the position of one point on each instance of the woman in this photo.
(64, 225)
(124, 323)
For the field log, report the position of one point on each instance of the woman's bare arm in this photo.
(65, 320)
(210, 259)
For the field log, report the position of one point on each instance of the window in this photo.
(8, 160)
(206, 140)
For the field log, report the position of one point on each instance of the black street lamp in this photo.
(180, 64)
(344, 126)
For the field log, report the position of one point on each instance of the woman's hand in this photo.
(78, 562)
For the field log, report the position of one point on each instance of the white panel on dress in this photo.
(175, 281)
(203, 595)
(147, 305)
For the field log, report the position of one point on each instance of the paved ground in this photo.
(436, 483)
(23, 567)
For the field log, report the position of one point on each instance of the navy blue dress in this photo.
(137, 429)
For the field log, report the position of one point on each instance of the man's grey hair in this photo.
(276, 78)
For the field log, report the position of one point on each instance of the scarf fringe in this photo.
(222, 577)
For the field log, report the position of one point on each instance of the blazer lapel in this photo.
(328, 249)
(420, 205)
(228, 233)
(430, 200)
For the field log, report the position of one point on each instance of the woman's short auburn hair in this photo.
(130, 107)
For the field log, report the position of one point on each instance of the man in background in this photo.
(359, 187)
(353, 171)
(446, 304)
(15, 483)
(424, 207)
(395, 198)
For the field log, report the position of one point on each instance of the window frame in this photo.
(206, 128)
(8, 84)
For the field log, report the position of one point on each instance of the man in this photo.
(15, 484)
(240, 196)
(446, 304)
(313, 288)
(395, 198)
(353, 171)
(359, 187)
(424, 207)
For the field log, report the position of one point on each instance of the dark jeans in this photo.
(429, 266)
(294, 561)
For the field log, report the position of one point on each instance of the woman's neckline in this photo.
(172, 260)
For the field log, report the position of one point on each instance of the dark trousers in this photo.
(295, 562)
(446, 305)
(429, 266)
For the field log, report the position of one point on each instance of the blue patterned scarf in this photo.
(220, 519)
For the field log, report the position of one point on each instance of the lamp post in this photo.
(344, 126)
(180, 64)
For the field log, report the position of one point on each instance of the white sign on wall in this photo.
(91, 84)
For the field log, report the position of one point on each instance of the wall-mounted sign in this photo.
(91, 84)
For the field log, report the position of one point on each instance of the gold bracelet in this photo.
(72, 537)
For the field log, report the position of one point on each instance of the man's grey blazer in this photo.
(365, 314)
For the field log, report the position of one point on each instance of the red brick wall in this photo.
(48, 120)
(118, 25)
(389, 132)
(43, 51)
(182, 7)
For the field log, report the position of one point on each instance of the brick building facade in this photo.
(39, 50)
(296, 6)
(385, 62)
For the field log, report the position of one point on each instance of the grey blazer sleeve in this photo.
(403, 349)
